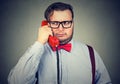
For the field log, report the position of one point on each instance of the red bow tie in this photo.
(66, 47)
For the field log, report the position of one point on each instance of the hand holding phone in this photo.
(52, 40)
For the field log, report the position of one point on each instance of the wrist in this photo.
(40, 41)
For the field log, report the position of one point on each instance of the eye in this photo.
(54, 23)
(67, 22)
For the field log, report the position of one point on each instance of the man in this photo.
(39, 63)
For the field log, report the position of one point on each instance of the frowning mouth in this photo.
(60, 35)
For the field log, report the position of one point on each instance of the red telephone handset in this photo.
(52, 40)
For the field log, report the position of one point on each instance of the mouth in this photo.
(60, 35)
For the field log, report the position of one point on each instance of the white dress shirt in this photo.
(75, 66)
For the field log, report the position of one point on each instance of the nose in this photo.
(60, 27)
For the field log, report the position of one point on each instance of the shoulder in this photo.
(80, 48)
(79, 45)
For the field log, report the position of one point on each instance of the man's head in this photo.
(60, 17)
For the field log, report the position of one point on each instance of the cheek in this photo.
(69, 32)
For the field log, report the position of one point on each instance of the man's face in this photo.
(63, 34)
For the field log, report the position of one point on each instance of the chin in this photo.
(64, 41)
(61, 39)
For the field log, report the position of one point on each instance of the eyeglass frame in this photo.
(62, 23)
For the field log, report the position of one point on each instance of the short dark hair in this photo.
(58, 6)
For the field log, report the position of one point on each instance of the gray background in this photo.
(97, 23)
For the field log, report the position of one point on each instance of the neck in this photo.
(65, 41)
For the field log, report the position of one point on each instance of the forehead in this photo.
(61, 15)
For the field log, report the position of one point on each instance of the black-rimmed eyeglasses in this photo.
(56, 24)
